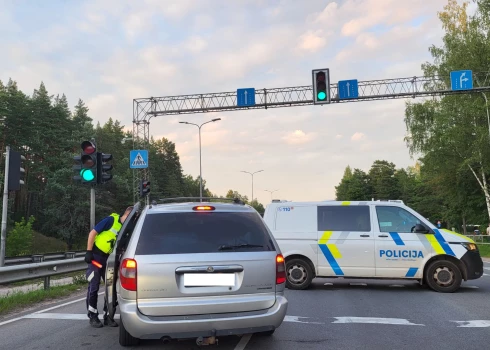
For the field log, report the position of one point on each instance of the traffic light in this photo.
(144, 188)
(88, 158)
(16, 172)
(103, 168)
(321, 86)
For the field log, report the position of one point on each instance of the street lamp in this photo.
(252, 181)
(200, 162)
(271, 192)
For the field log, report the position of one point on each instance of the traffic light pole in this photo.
(5, 207)
(92, 207)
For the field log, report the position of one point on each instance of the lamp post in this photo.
(271, 192)
(252, 181)
(200, 161)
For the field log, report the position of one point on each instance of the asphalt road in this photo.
(333, 314)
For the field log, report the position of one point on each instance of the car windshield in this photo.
(187, 233)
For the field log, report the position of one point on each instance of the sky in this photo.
(109, 52)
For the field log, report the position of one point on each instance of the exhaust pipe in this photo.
(166, 340)
(206, 341)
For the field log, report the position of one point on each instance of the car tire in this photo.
(443, 276)
(126, 339)
(299, 274)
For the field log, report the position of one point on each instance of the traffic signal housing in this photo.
(16, 171)
(88, 158)
(321, 86)
(103, 168)
(144, 188)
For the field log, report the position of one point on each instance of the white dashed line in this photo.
(376, 320)
(328, 284)
(474, 323)
(243, 342)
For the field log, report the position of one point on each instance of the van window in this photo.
(192, 233)
(354, 218)
(395, 219)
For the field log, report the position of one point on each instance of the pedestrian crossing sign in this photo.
(138, 159)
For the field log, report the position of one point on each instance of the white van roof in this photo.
(394, 202)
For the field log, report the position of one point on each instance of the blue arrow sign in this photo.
(138, 159)
(245, 97)
(461, 80)
(348, 89)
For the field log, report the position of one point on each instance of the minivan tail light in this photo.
(203, 208)
(127, 274)
(280, 269)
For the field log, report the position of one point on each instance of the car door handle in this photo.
(365, 236)
(383, 236)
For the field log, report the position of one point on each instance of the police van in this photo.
(373, 239)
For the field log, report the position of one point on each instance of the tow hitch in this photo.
(201, 341)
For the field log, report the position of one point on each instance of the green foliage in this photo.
(19, 239)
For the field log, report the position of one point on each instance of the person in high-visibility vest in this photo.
(101, 242)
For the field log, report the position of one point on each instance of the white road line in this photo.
(376, 320)
(328, 284)
(10, 321)
(472, 287)
(243, 342)
(487, 268)
(296, 319)
(474, 323)
(357, 284)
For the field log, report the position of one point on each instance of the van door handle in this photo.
(365, 236)
(383, 236)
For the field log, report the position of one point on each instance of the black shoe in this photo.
(110, 322)
(95, 322)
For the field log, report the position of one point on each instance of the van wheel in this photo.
(299, 274)
(126, 339)
(443, 276)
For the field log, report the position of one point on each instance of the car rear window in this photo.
(188, 233)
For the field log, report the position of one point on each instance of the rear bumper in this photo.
(473, 263)
(178, 327)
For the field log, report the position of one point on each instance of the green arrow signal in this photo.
(87, 175)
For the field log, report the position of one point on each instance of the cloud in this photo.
(298, 137)
(312, 41)
(358, 136)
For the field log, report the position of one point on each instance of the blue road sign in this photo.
(245, 97)
(348, 89)
(461, 80)
(138, 159)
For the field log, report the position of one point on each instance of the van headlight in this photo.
(469, 246)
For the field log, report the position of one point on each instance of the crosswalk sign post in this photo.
(138, 159)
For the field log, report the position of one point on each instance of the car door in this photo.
(400, 253)
(113, 259)
(346, 241)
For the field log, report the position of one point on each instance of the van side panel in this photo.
(294, 227)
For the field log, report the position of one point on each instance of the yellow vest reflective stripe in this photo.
(106, 240)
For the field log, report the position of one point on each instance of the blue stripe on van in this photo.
(396, 237)
(331, 260)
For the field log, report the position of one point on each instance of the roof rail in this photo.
(176, 199)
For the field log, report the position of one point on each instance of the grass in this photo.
(484, 250)
(44, 244)
(19, 300)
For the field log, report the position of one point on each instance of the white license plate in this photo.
(209, 279)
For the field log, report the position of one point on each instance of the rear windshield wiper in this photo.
(230, 247)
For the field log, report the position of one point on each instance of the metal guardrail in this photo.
(34, 258)
(17, 273)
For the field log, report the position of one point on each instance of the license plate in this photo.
(209, 279)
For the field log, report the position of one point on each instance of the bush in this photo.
(19, 239)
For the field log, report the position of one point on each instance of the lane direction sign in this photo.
(245, 97)
(461, 80)
(138, 159)
(348, 89)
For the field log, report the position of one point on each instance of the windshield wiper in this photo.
(230, 247)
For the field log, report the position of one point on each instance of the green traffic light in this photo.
(87, 175)
(322, 95)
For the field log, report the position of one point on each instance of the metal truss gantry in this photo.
(146, 108)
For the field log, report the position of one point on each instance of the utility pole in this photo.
(92, 207)
(5, 207)
(271, 192)
(252, 181)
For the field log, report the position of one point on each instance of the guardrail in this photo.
(34, 258)
(17, 273)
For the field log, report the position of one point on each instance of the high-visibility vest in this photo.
(106, 240)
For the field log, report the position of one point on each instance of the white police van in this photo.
(374, 239)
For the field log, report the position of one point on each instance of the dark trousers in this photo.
(94, 274)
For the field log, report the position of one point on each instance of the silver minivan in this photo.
(195, 270)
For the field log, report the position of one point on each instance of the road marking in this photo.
(328, 284)
(358, 284)
(474, 323)
(472, 287)
(243, 342)
(376, 320)
(397, 285)
(10, 321)
(487, 268)
(296, 319)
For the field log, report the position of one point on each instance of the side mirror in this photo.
(419, 228)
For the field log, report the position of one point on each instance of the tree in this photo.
(383, 181)
(354, 187)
